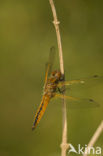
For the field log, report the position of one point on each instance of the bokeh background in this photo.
(26, 35)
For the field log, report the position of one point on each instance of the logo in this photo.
(85, 150)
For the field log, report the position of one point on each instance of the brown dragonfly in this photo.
(53, 87)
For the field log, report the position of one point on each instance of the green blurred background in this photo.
(26, 35)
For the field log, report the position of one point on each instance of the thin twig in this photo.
(64, 144)
(56, 24)
(94, 137)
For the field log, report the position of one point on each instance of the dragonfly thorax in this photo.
(52, 82)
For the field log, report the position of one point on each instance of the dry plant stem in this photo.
(64, 144)
(56, 24)
(95, 137)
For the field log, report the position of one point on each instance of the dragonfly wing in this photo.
(40, 111)
(81, 81)
(73, 102)
(50, 62)
(68, 83)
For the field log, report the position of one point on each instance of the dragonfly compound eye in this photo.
(53, 73)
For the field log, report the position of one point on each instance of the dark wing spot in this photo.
(95, 76)
(91, 100)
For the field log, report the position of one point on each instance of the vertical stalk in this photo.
(64, 144)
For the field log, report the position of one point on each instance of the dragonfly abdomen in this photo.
(41, 110)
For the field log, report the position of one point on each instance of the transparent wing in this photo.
(50, 62)
(74, 102)
(88, 80)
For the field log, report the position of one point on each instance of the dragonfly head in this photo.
(57, 74)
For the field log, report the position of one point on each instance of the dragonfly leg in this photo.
(61, 90)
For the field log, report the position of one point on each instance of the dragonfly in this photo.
(53, 88)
